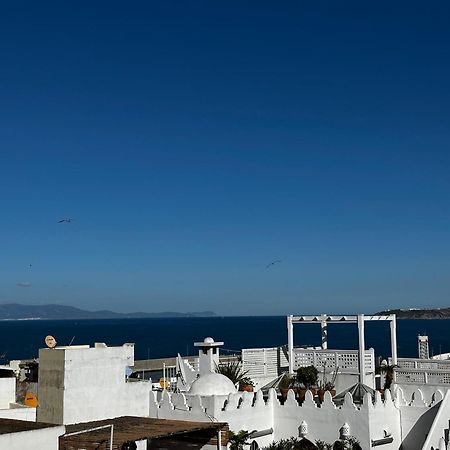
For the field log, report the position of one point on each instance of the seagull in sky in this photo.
(66, 220)
(273, 263)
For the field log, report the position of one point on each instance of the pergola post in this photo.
(362, 348)
(324, 331)
(394, 340)
(290, 329)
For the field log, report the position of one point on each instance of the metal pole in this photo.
(89, 430)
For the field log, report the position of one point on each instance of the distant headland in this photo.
(16, 311)
(417, 313)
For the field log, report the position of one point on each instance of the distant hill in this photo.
(16, 311)
(413, 313)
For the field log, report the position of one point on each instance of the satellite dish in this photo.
(50, 341)
(31, 400)
(164, 383)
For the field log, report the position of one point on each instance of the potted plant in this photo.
(233, 370)
(246, 384)
(306, 379)
(285, 384)
(327, 385)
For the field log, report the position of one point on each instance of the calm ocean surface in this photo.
(156, 338)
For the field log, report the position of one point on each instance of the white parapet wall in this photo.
(407, 422)
(79, 384)
(7, 392)
(41, 439)
(8, 408)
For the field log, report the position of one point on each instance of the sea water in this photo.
(163, 337)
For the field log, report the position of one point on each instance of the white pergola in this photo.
(324, 320)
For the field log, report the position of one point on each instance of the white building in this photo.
(82, 383)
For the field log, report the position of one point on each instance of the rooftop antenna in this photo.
(50, 341)
(71, 341)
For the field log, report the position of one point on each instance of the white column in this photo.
(324, 330)
(394, 340)
(290, 328)
(361, 346)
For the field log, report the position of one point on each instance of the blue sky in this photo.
(195, 142)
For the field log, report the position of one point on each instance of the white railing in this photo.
(421, 376)
(263, 362)
(267, 362)
(427, 364)
(422, 371)
(346, 360)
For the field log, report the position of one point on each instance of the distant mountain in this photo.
(416, 313)
(15, 311)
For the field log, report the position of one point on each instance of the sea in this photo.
(164, 337)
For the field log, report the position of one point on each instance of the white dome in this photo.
(212, 384)
(208, 340)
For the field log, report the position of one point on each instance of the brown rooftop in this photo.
(16, 426)
(129, 429)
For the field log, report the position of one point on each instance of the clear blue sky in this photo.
(195, 142)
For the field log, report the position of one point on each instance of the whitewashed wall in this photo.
(84, 384)
(440, 422)
(7, 392)
(44, 439)
(22, 413)
(370, 421)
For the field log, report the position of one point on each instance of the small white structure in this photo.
(9, 409)
(212, 384)
(26, 435)
(82, 383)
(208, 355)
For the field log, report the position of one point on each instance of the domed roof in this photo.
(212, 384)
(208, 340)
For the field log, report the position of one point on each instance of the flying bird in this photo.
(66, 220)
(273, 263)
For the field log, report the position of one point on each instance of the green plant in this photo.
(246, 381)
(233, 370)
(292, 444)
(284, 444)
(239, 439)
(350, 443)
(321, 445)
(388, 371)
(285, 382)
(328, 385)
(307, 376)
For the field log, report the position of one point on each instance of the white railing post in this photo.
(362, 350)
(394, 340)
(290, 328)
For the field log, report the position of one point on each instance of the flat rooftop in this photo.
(129, 428)
(16, 426)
